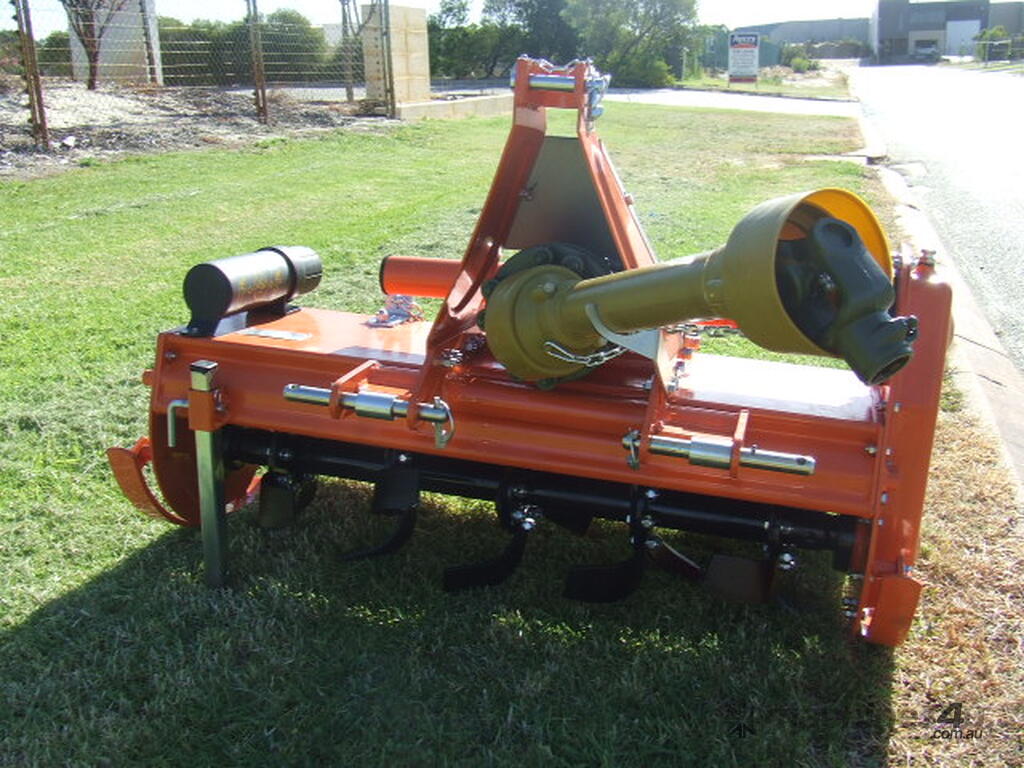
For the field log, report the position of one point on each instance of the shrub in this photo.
(643, 72)
(55, 54)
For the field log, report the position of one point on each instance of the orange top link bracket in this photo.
(353, 378)
(537, 85)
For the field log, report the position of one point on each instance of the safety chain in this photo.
(594, 359)
(711, 331)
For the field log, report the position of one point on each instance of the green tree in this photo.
(549, 35)
(993, 43)
(54, 54)
(185, 51)
(507, 29)
(502, 36)
(630, 39)
(10, 52)
(293, 49)
(452, 14)
(459, 49)
(542, 30)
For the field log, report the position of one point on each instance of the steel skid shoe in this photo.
(515, 516)
(283, 495)
(395, 494)
(745, 580)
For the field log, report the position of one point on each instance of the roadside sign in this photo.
(744, 50)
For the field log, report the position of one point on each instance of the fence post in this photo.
(389, 74)
(259, 80)
(147, 39)
(30, 67)
(351, 28)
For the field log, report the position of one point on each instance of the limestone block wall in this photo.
(410, 58)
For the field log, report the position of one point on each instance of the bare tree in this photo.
(89, 21)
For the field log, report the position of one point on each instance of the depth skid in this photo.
(641, 430)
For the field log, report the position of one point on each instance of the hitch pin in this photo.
(713, 452)
(377, 405)
(172, 421)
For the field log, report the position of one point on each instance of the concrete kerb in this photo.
(487, 105)
(981, 368)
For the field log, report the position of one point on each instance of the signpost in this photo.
(744, 51)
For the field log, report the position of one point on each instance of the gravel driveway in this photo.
(116, 120)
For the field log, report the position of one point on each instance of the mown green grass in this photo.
(113, 652)
(816, 88)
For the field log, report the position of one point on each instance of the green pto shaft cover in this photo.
(809, 273)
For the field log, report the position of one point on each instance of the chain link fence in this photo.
(128, 74)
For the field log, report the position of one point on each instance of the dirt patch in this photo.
(112, 121)
(822, 78)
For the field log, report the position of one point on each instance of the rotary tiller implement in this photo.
(559, 380)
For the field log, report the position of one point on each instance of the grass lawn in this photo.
(1015, 67)
(113, 652)
(826, 83)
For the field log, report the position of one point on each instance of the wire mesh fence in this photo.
(128, 72)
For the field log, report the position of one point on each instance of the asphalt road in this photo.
(958, 138)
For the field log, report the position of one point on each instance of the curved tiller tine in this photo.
(616, 581)
(127, 465)
(494, 570)
(397, 494)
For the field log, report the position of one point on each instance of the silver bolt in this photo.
(850, 613)
(518, 492)
(897, 407)
(885, 499)
(871, 450)
(451, 358)
(787, 561)
(629, 519)
(647, 522)
(170, 355)
(826, 283)
(651, 494)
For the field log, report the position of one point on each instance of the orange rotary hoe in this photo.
(560, 379)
